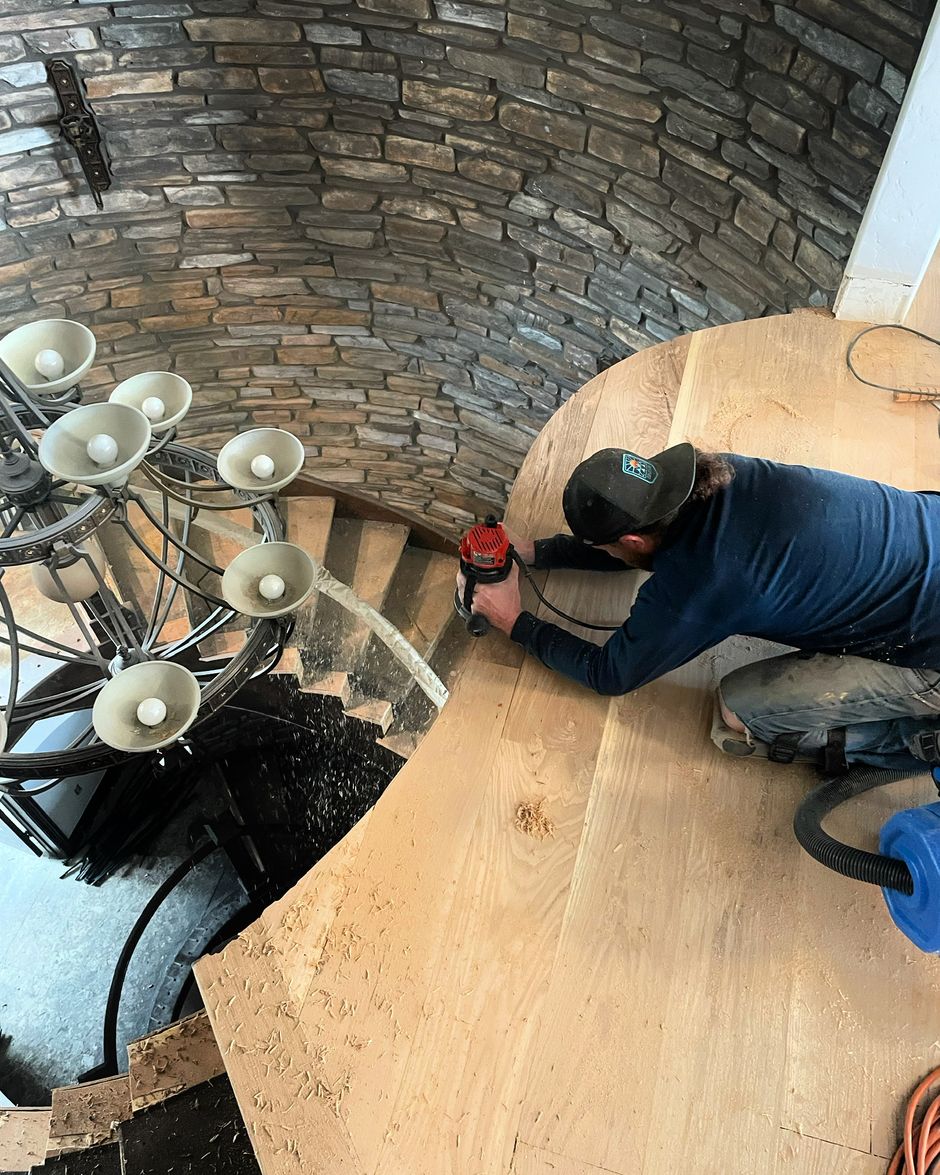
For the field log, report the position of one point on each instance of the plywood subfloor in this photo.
(664, 984)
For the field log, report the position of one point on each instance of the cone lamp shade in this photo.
(73, 583)
(149, 390)
(150, 689)
(75, 343)
(237, 456)
(64, 448)
(242, 587)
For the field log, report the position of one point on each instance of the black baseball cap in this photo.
(615, 491)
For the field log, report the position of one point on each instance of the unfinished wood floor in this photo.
(667, 983)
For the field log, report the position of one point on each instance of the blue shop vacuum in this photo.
(908, 866)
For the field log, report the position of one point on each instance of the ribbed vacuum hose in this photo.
(874, 868)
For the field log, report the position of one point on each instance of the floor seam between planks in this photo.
(544, 1150)
(832, 1142)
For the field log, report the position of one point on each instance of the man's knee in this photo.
(730, 719)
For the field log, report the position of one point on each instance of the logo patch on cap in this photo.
(639, 468)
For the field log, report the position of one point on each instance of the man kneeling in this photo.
(844, 570)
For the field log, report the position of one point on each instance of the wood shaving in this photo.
(533, 820)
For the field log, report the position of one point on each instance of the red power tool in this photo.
(486, 556)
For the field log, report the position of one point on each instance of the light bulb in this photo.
(153, 408)
(151, 711)
(102, 449)
(272, 587)
(262, 467)
(50, 364)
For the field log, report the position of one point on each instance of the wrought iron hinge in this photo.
(80, 127)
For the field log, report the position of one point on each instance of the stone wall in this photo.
(407, 230)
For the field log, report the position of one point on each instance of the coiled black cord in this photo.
(875, 868)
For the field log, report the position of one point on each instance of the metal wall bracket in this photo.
(80, 127)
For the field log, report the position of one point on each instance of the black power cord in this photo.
(558, 612)
(930, 393)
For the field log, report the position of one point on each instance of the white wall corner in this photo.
(872, 299)
(901, 225)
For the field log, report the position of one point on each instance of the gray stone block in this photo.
(27, 139)
(163, 140)
(68, 40)
(11, 48)
(720, 66)
(712, 195)
(626, 105)
(695, 85)
(776, 129)
(768, 48)
(501, 66)
(837, 165)
(659, 42)
(450, 101)
(683, 128)
(264, 32)
(324, 33)
(472, 14)
(829, 44)
(787, 97)
(29, 73)
(818, 265)
(372, 85)
(624, 151)
(139, 35)
(566, 193)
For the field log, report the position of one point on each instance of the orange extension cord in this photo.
(921, 1144)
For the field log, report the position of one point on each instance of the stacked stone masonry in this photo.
(407, 230)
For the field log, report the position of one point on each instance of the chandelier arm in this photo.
(178, 543)
(14, 642)
(156, 629)
(145, 550)
(17, 427)
(112, 619)
(75, 654)
(21, 394)
(216, 619)
(163, 476)
(88, 634)
(166, 438)
(51, 704)
(161, 578)
(110, 615)
(164, 488)
(14, 522)
(50, 653)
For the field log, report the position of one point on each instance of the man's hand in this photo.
(500, 603)
(524, 547)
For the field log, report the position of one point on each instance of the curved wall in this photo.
(408, 229)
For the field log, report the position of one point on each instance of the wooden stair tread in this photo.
(167, 1062)
(309, 522)
(23, 1136)
(363, 555)
(421, 604)
(373, 710)
(84, 1115)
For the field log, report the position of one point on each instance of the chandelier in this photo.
(69, 473)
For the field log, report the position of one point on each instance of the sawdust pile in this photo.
(533, 820)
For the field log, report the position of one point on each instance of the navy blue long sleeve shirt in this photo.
(809, 558)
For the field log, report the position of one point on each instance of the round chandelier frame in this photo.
(56, 497)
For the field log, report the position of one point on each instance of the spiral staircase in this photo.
(396, 565)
